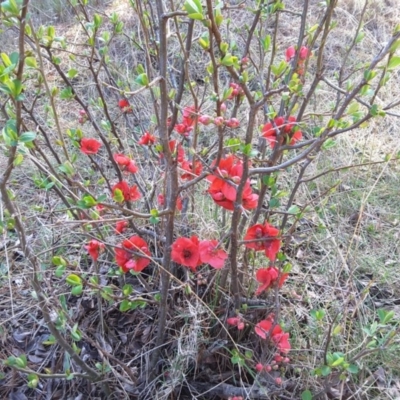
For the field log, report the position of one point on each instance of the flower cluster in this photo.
(267, 328)
(237, 91)
(263, 238)
(282, 128)
(304, 53)
(123, 192)
(133, 253)
(190, 252)
(147, 139)
(94, 248)
(267, 277)
(188, 120)
(223, 188)
(125, 163)
(125, 106)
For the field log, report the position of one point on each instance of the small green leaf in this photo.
(142, 79)
(27, 137)
(325, 370)
(266, 43)
(338, 362)
(127, 289)
(306, 395)
(72, 73)
(352, 368)
(394, 62)
(59, 272)
(74, 280)
(77, 290)
(125, 305)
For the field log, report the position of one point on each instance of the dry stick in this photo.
(91, 118)
(171, 178)
(347, 54)
(49, 93)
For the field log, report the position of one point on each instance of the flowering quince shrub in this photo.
(179, 186)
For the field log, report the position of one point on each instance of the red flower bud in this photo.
(290, 53)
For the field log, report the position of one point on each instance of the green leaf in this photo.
(125, 305)
(127, 289)
(21, 361)
(31, 62)
(228, 60)
(66, 93)
(306, 395)
(328, 144)
(27, 137)
(338, 362)
(194, 9)
(394, 62)
(33, 381)
(142, 79)
(18, 160)
(274, 203)
(77, 290)
(72, 73)
(73, 280)
(352, 368)
(59, 272)
(58, 260)
(50, 340)
(325, 370)
(266, 43)
(294, 210)
(118, 196)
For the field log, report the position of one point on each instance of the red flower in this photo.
(125, 163)
(128, 193)
(210, 254)
(176, 150)
(122, 160)
(190, 171)
(127, 260)
(296, 137)
(185, 251)
(262, 237)
(94, 248)
(120, 226)
(147, 139)
(290, 53)
(282, 127)
(90, 146)
(125, 107)
(224, 191)
(189, 116)
(183, 129)
(266, 277)
(280, 338)
(291, 122)
(132, 167)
